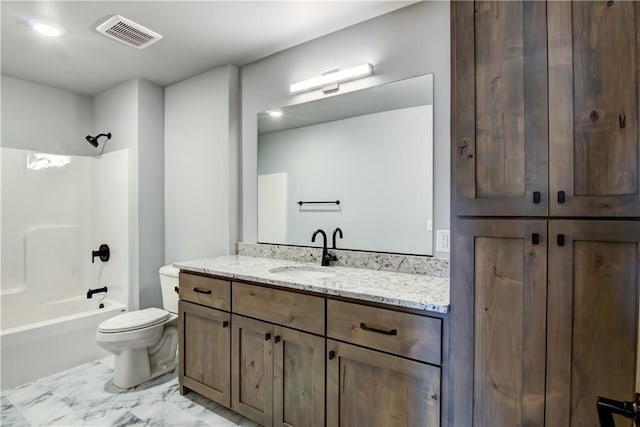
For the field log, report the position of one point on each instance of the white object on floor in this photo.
(144, 342)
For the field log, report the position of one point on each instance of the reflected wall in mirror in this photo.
(370, 149)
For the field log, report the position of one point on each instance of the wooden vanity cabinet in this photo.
(371, 388)
(204, 355)
(278, 373)
(269, 358)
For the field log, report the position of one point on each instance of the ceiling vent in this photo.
(128, 32)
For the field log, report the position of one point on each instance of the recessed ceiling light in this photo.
(274, 113)
(49, 29)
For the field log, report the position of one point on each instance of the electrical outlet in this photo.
(442, 241)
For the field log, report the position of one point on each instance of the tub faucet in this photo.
(90, 292)
(326, 256)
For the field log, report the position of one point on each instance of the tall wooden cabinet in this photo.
(545, 112)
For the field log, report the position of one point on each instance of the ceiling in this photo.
(198, 36)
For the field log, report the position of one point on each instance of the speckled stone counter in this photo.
(415, 291)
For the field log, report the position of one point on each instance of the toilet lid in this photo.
(134, 320)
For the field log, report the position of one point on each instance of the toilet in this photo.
(144, 342)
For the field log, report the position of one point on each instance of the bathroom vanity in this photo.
(287, 343)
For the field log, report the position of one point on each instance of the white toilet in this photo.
(144, 342)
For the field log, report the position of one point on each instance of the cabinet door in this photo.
(499, 108)
(498, 328)
(594, 84)
(252, 369)
(298, 378)
(370, 388)
(594, 282)
(205, 356)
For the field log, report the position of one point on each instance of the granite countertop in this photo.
(415, 291)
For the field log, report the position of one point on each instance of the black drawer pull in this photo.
(535, 238)
(560, 239)
(225, 324)
(379, 331)
(332, 355)
(276, 339)
(200, 291)
(176, 289)
(560, 196)
(267, 336)
(536, 197)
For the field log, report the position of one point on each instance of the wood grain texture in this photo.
(499, 111)
(418, 337)
(292, 309)
(220, 296)
(594, 81)
(252, 369)
(298, 379)
(594, 288)
(503, 278)
(369, 388)
(204, 351)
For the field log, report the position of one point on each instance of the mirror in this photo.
(361, 161)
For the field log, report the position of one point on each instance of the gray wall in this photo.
(151, 190)
(201, 167)
(410, 41)
(43, 118)
(133, 112)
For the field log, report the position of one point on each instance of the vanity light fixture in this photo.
(330, 81)
(49, 29)
(274, 113)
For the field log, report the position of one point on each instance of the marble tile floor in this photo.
(85, 396)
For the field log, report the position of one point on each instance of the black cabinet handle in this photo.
(561, 196)
(536, 197)
(225, 324)
(200, 291)
(378, 331)
(560, 239)
(176, 289)
(267, 336)
(276, 339)
(332, 355)
(535, 238)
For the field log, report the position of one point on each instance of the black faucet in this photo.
(90, 292)
(326, 256)
(336, 231)
(103, 252)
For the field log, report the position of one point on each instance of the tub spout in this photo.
(90, 292)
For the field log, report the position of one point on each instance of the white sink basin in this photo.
(302, 272)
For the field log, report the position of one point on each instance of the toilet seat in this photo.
(134, 320)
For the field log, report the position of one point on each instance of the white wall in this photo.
(381, 156)
(201, 166)
(410, 41)
(38, 117)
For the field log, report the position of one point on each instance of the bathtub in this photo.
(50, 337)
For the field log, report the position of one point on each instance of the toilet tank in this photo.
(169, 284)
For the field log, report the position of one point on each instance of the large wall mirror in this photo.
(361, 161)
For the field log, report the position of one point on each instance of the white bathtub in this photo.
(51, 337)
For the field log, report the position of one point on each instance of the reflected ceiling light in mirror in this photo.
(331, 79)
(274, 113)
(49, 29)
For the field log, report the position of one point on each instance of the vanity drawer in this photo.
(299, 311)
(203, 290)
(404, 334)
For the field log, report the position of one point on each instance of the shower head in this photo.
(93, 140)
